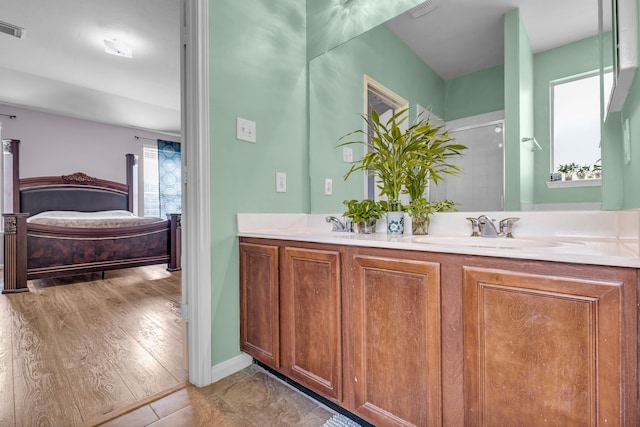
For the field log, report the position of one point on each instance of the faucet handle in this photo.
(506, 226)
(348, 225)
(475, 227)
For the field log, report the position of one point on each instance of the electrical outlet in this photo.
(328, 187)
(347, 154)
(245, 130)
(281, 182)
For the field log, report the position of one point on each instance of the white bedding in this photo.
(102, 219)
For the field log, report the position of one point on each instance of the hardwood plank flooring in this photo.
(73, 350)
(6, 365)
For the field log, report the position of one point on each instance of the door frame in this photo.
(391, 98)
(196, 224)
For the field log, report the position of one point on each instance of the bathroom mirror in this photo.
(337, 87)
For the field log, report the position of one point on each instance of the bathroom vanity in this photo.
(407, 333)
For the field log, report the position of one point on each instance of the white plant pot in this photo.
(395, 223)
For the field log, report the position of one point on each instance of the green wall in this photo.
(613, 193)
(476, 93)
(556, 64)
(336, 101)
(526, 116)
(333, 22)
(518, 91)
(258, 71)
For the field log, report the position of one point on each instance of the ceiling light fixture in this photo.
(116, 47)
(12, 30)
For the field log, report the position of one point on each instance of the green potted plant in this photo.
(399, 157)
(421, 209)
(364, 214)
(583, 171)
(596, 170)
(568, 170)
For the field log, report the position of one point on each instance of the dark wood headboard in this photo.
(74, 192)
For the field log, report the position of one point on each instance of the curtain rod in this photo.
(11, 116)
(142, 137)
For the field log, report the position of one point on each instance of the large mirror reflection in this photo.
(486, 69)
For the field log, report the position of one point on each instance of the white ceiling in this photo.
(463, 36)
(61, 67)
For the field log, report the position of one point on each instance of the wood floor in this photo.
(75, 349)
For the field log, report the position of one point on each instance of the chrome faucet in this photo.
(339, 225)
(485, 227)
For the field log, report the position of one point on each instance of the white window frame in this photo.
(553, 162)
(146, 148)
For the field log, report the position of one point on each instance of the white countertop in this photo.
(592, 237)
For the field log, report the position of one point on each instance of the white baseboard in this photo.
(230, 366)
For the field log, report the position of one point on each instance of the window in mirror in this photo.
(575, 106)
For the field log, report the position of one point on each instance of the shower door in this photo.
(480, 186)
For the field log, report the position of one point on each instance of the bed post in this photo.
(12, 146)
(15, 252)
(175, 237)
(132, 183)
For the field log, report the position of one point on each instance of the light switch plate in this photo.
(347, 154)
(281, 182)
(328, 187)
(245, 130)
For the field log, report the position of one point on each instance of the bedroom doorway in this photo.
(196, 280)
(196, 302)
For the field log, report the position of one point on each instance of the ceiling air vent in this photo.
(423, 8)
(12, 30)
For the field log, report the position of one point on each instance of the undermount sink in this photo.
(486, 242)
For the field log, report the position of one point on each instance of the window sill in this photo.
(575, 183)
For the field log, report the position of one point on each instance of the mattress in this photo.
(102, 219)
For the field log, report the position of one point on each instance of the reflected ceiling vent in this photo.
(12, 30)
(423, 8)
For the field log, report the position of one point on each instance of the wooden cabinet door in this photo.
(311, 320)
(541, 350)
(259, 313)
(396, 341)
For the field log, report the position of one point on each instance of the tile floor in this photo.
(249, 398)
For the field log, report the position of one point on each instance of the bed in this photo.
(94, 241)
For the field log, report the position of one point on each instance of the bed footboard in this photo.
(35, 251)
